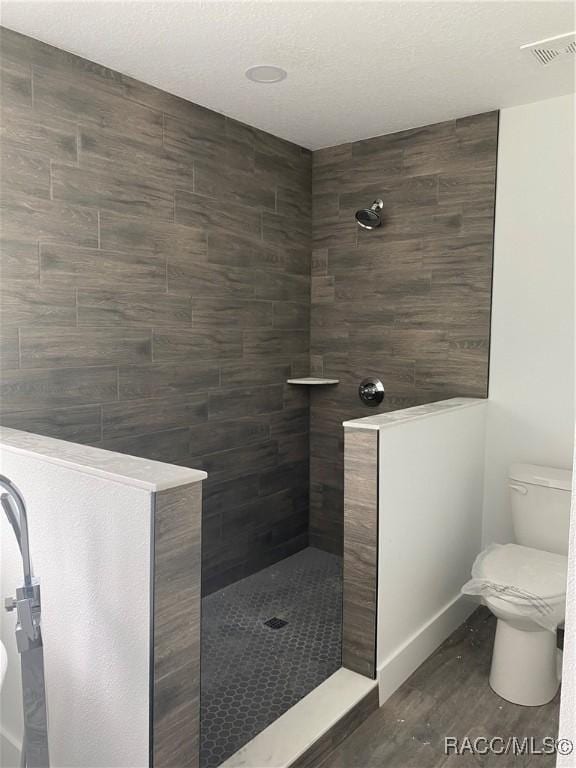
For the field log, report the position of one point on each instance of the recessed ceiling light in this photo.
(266, 73)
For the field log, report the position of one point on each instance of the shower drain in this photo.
(275, 623)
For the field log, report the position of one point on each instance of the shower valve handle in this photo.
(371, 392)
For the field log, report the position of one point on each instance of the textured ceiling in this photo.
(355, 69)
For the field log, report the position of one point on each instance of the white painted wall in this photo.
(567, 729)
(431, 476)
(90, 543)
(531, 413)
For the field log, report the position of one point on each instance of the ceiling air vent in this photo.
(553, 48)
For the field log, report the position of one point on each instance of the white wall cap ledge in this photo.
(152, 476)
(393, 418)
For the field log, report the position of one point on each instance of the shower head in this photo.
(370, 218)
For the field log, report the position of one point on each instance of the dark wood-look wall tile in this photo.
(9, 347)
(176, 626)
(295, 396)
(263, 343)
(238, 462)
(134, 233)
(395, 257)
(235, 433)
(119, 308)
(25, 172)
(333, 232)
(52, 137)
(284, 230)
(29, 390)
(63, 265)
(280, 286)
(360, 551)
(162, 101)
(166, 379)
(104, 151)
(240, 374)
(25, 303)
(199, 136)
(466, 187)
(382, 284)
(247, 401)
(284, 478)
(322, 290)
(26, 218)
(171, 345)
(19, 260)
(291, 315)
(300, 366)
(319, 262)
(252, 188)
(16, 82)
(200, 211)
(82, 424)
(293, 448)
(114, 190)
(89, 74)
(170, 446)
(232, 313)
(66, 93)
(408, 303)
(289, 421)
(292, 167)
(139, 417)
(238, 251)
(229, 494)
(68, 347)
(374, 311)
(416, 190)
(199, 279)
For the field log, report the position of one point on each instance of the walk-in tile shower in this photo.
(168, 269)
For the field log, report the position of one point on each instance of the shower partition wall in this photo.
(116, 541)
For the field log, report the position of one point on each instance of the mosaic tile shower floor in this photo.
(252, 673)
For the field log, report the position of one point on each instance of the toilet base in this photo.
(524, 665)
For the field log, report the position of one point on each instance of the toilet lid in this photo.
(532, 570)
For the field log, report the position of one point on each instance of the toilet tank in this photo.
(540, 501)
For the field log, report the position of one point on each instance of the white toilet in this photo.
(524, 585)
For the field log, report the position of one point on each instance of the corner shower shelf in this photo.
(313, 381)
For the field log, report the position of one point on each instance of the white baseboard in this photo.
(404, 660)
(9, 751)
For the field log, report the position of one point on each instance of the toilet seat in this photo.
(521, 584)
(525, 571)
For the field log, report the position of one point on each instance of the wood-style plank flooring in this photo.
(448, 695)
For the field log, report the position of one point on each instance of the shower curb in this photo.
(306, 735)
